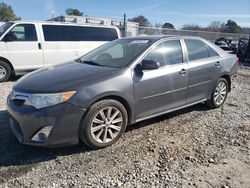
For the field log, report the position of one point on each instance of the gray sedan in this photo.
(94, 98)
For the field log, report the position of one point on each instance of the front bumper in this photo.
(27, 121)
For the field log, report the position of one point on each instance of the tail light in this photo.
(237, 61)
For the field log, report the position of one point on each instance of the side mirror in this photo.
(149, 65)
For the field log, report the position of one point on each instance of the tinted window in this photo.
(196, 49)
(77, 33)
(23, 32)
(167, 53)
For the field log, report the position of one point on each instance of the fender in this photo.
(86, 100)
(7, 61)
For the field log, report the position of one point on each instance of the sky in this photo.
(177, 12)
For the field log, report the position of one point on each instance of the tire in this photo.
(98, 122)
(5, 71)
(219, 94)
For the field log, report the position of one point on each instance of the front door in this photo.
(23, 47)
(163, 89)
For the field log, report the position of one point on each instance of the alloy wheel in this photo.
(106, 124)
(220, 93)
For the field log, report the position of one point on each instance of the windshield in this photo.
(5, 27)
(117, 54)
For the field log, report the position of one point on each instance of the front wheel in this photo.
(103, 124)
(219, 94)
(5, 71)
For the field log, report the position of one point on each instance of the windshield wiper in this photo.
(89, 62)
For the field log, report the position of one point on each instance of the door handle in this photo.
(39, 46)
(183, 72)
(217, 64)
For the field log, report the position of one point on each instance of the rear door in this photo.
(23, 45)
(163, 89)
(204, 69)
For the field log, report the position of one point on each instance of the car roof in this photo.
(150, 37)
(60, 23)
(159, 37)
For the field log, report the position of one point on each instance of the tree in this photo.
(73, 12)
(232, 27)
(223, 27)
(215, 26)
(168, 26)
(141, 20)
(7, 13)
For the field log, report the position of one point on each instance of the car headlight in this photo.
(45, 100)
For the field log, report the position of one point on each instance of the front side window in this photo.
(167, 53)
(22, 32)
(196, 49)
(117, 54)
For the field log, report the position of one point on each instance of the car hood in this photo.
(61, 77)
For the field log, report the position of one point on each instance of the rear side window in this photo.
(78, 33)
(212, 52)
(167, 53)
(23, 32)
(196, 49)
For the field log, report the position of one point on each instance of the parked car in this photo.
(120, 83)
(227, 44)
(29, 45)
(223, 45)
(244, 49)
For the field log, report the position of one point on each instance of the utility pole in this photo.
(52, 14)
(125, 25)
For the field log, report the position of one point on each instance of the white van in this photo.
(29, 45)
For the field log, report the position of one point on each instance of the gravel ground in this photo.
(194, 147)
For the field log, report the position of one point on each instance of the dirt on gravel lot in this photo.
(193, 147)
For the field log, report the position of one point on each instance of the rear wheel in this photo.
(104, 124)
(5, 71)
(219, 94)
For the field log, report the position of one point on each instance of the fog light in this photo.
(43, 134)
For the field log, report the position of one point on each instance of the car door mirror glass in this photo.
(149, 65)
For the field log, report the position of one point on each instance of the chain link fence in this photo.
(212, 36)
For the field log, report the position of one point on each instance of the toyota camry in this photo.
(94, 98)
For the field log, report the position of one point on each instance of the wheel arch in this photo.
(227, 77)
(123, 101)
(8, 62)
